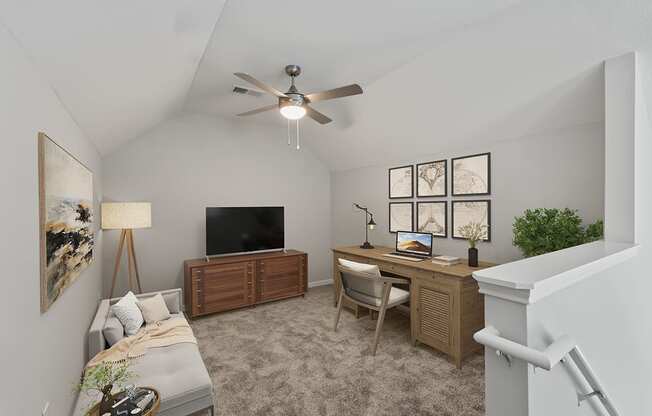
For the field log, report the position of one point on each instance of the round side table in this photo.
(153, 410)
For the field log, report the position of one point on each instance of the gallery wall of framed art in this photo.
(470, 177)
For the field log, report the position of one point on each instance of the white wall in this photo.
(560, 169)
(42, 354)
(608, 314)
(189, 163)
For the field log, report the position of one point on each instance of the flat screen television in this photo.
(236, 230)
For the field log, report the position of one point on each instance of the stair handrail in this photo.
(547, 359)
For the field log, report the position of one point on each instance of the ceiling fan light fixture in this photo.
(293, 112)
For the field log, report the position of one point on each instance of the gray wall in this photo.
(555, 169)
(194, 161)
(42, 354)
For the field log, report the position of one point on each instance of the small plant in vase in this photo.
(103, 378)
(473, 232)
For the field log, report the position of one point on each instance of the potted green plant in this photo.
(473, 232)
(543, 230)
(103, 378)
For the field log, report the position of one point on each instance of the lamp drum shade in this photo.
(126, 215)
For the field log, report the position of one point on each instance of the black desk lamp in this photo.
(367, 225)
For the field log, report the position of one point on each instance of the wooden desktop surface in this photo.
(459, 270)
(446, 308)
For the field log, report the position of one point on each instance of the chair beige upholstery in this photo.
(363, 285)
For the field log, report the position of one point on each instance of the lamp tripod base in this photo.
(366, 245)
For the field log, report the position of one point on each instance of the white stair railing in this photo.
(547, 359)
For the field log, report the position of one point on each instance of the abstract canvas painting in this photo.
(66, 219)
(472, 175)
(464, 212)
(401, 182)
(431, 218)
(431, 178)
(400, 216)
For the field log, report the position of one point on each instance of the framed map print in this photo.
(401, 182)
(401, 216)
(66, 219)
(472, 175)
(432, 218)
(431, 179)
(464, 212)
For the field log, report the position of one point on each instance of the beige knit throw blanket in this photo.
(161, 334)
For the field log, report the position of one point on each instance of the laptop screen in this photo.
(414, 243)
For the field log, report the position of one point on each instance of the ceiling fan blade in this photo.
(316, 115)
(259, 110)
(353, 89)
(259, 84)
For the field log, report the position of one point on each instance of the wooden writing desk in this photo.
(445, 306)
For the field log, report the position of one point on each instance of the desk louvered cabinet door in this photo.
(280, 277)
(225, 286)
(434, 318)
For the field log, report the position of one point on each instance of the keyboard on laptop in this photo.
(404, 256)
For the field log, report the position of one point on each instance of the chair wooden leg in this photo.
(339, 310)
(381, 316)
(379, 326)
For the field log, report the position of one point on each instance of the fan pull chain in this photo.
(289, 141)
(298, 137)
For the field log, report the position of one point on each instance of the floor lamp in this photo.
(126, 216)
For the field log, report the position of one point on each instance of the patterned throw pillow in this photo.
(128, 313)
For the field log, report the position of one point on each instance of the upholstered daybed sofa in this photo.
(176, 371)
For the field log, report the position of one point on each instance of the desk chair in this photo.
(363, 285)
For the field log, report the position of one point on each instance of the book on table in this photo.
(446, 260)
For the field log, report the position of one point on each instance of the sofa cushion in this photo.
(113, 330)
(177, 372)
(396, 297)
(172, 302)
(153, 309)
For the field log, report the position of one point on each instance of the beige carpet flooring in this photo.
(283, 358)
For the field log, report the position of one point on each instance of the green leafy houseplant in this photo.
(543, 230)
(103, 378)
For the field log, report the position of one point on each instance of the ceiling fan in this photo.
(293, 104)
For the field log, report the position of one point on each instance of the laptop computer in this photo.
(412, 246)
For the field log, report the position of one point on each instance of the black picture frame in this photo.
(453, 160)
(445, 161)
(445, 203)
(453, 226)
(411, 204)
(389, 182)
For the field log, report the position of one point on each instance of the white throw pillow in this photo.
(154, 309)
(128, 313)
(360, 267)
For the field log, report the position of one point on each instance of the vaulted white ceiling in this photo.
(119, 66)
(436, 73)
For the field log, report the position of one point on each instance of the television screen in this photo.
(415, 243)
(244, 229)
